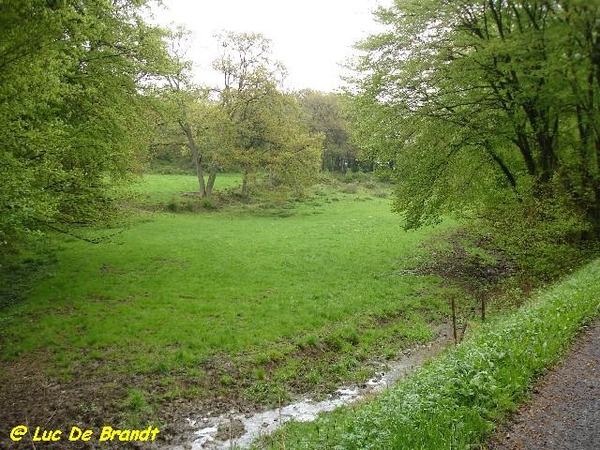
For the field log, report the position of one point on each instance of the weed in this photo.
(349, 188)
(173, 205)
(209, 203)
(136, 408)
(226, 380)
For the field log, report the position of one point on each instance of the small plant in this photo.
(136, 401)
(260, 373)
(173, 205)
(136, 408)
(209, 203)
(226, 380)
(311, 340)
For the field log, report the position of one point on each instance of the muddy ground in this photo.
(31, 397)
(91, 398)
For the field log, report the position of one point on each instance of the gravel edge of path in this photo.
(563, 412)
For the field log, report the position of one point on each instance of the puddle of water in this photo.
(239, 431)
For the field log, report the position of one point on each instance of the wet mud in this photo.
(240, 430)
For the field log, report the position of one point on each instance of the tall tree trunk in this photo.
(212, 176)
(245, 177)
(271, 177)
(596, 217)
(503, 167)
(196, 156)
(522, 142)
(199, 172)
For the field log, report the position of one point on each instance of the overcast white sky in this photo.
(311, 37)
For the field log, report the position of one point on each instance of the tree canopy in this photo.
(480, 103)
(247, 122)
(325, 113)
(72, 77)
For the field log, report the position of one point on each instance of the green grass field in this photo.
(161, 189)
(244, 299)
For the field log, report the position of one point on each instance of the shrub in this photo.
(543, 237)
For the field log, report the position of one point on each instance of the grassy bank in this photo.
(454, 402)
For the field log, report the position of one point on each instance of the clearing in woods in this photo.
(242, 307)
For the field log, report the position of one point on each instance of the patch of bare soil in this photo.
(30, 397)
(90, 399)
(94, 397)
(564, 412)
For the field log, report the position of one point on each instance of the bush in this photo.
(544, 237)
(209, 203)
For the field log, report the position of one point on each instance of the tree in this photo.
(72, 77)
(267, 123)
(176, 100)
(324, 114)
(479, 97)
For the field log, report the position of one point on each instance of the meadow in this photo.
(247, 305)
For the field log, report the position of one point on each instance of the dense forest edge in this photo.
(128, 185)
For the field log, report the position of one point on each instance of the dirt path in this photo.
(564, 412)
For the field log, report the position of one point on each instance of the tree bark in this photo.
(212, 176)
(245, 176)
(197, 157)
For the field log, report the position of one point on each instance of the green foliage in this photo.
(270, 134)
(324, 114)
(474, 103)
(74, 123)
(544, 238)
(455, 400)
(247, 124)
(136, 408)
(18, 272)
(190, 125)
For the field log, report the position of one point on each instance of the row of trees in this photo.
(486, 106)
(73, 74)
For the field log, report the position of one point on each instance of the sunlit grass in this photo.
(199, 284)
(153, 188)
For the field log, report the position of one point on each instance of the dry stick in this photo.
(231, 432)
(30, 438)
(281, 425)
(454, 321)
(464, 330)
(483, 308)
